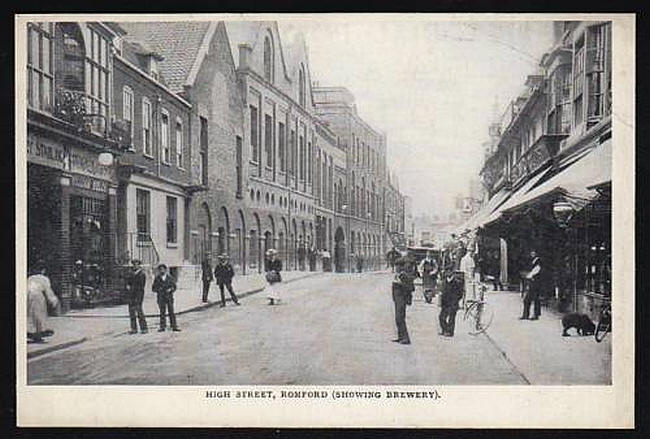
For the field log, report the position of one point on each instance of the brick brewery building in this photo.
(219, 145)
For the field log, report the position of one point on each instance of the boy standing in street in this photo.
(164, 286)
(135, 289)
(223, 274)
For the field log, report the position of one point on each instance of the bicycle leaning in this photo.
(604, 325)
(478, 313)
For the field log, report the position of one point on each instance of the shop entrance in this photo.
(43, 211)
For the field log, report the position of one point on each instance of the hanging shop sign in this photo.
(50, 153)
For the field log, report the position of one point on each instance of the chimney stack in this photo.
(244, 55)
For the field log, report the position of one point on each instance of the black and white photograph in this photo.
(278, 208)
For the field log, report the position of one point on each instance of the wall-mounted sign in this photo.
(85, 182)
(50, 153)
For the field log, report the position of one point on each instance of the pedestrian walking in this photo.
(206, 278)
(402, 291)
(164, 286)
(135, 292)
(273, 267)
(359, 264)
(534, 278)
(327, 260)
(452, 292)
(39, 295)
(223, 274)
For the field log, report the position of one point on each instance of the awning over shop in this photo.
(574, 181)
(513, 199)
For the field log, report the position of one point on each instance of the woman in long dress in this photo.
(273, 267)
(39, 294)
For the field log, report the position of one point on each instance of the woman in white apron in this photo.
(273, 267)
(39, 294)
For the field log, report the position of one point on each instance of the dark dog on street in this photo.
(582, 323)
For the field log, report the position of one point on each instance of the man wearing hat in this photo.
(452, 292)
(135, 289)
(164, 286)
(403, 288)
(206, 278)
(223, 274)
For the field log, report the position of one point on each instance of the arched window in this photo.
(301, 86)
(268, 59)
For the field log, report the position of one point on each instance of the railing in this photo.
(137, 246)
(73, 107)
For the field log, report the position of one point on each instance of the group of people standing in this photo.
(454, 280)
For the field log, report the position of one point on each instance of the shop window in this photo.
(172, 220)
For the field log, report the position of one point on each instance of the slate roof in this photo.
(178, 42)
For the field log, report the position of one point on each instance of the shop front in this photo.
(71, 217)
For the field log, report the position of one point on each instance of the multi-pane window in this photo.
(282, 146)
(578, 83)
(179, 144)
(128, 107)
(146, 127)
(254, 133)
(268, 139)
(40, 77)
(164, 137)
(596, 74)
(97, 82)
(239, 164)
(142, 199)
(309, 162)
(172, 220)
(203, 151)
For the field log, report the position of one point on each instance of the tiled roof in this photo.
(178, 42)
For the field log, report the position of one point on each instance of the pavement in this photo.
(332, 329)
(80, 325)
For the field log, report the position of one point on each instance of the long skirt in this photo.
(36, 312)
(273, 291)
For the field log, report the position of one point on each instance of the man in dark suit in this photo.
(206, 278)
(452, 292)
(535, 285)
(135, 289)
(223, 274)
(164, 286)
(403, 288)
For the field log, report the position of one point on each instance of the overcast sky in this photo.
(430, 86)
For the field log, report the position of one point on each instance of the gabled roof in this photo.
(179, 42)
(240, 32)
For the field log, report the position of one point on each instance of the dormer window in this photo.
(153, 68)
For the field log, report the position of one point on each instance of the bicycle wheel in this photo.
(603, 327)
(479, 316)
